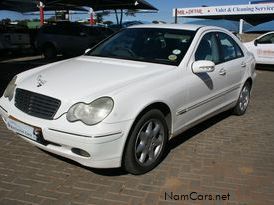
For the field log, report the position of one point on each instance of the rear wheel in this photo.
(146, 144)
(49, 51)
(243, 100)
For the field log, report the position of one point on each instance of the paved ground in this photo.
(224, 155)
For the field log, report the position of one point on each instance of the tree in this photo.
(23, 22)
(100, 16)
(131, 12)
(5, 21)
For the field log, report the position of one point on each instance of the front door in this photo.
(205, 90)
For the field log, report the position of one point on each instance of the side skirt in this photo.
(227, 107)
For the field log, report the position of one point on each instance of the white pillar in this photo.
(241, 26)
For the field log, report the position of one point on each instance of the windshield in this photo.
(164, 46)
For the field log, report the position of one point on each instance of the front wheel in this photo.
(146, 143)
(243, 100)
(49, 52)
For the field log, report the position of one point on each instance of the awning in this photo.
(262, 28)
(232, 26)
(31, 5)
(97, 5)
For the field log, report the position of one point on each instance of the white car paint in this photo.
(263, 52)
(133, 86)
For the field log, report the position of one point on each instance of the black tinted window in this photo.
(63, 29)
(267, 39)
(54, 29)
(208, 49)
(229, 48)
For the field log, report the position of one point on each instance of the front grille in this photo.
(35, 104)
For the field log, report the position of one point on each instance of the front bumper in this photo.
(103, 142)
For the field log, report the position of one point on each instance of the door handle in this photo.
(222, 72)
(243, 64)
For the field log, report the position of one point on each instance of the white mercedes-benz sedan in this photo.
(120, 103)
(262, 48)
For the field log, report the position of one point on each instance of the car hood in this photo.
(85, 77)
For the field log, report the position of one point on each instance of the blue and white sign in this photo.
(267, 8)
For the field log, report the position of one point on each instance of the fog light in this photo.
(80, 152)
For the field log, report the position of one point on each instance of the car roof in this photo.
(267, 33)
(191, 27)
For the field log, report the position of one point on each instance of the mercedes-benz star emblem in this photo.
(40, 81)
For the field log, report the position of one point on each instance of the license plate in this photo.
(21, 128)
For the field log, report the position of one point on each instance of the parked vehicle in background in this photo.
(120, 103)
(117, 27)
(1, 46)
(14, 38)
(68, 38)
(262, 48)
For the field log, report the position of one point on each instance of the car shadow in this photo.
(188, 134)
(206, 79)
(172, 144)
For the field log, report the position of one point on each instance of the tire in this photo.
(243, 100)
(49, 51)
(146, 144)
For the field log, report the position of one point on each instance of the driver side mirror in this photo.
(203, 66)
(256, 42)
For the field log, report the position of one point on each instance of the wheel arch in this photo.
(54, 50)
(162, 107)
(50, 43)
(250, 81)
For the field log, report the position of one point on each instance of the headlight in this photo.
(92, 113)
(10, 89)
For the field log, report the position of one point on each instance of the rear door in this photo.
(74, 39)
(233, 63)
(81, 38)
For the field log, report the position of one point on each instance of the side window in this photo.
(239, 51)
(208, 49)
(267, 39)
(54, 29)
(229, 48)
